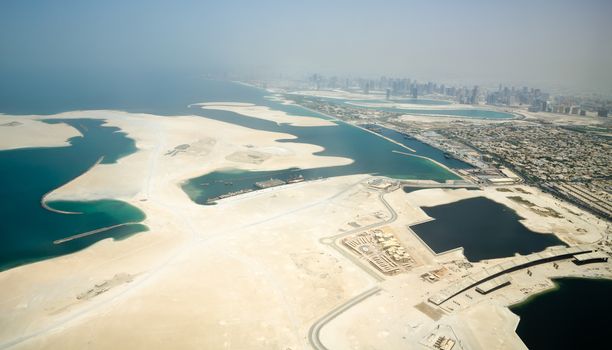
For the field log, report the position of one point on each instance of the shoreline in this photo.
(390, 140)
(43, 199)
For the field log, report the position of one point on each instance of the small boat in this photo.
(295, 179)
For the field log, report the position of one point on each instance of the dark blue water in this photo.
(27, 230)
(484, 228)
(575, 315)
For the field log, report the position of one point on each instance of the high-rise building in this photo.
(474, 97)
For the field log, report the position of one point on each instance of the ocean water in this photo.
(484, 228)
(27, 230)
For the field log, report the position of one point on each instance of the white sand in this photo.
(263, 112)
(340, 94)
(209, 150)
(192, 268)
(20, 132)
(250, 272)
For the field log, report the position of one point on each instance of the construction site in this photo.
(381, 249)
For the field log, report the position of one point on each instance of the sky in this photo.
(542, 43)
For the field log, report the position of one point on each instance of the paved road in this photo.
(314, 333)
(315, 329)
(191, 243)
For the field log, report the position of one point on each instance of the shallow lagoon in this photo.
(27, 229)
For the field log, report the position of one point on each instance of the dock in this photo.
(514, 264)
(92, 232)
(589, 258)
(494, 284)
(269, 183)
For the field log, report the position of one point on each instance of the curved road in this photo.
(314, 332)
(315, 329)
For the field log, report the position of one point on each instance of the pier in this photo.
(514, 264)
(92, 232)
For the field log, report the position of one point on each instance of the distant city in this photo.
(558, 143)
(535, 99)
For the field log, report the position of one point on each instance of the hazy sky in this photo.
(539, 42)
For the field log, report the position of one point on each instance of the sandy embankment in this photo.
(340, 94)
(263, 112)
(208, 150)
(21, 132)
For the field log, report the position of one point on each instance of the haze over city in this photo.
(547, 44)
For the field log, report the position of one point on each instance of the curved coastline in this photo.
(360, 164)
(388, 139)
(37, 172)
(43, 199)
(93, 232)
(565, 305)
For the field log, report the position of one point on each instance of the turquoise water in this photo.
(371, 154)
(484, 228)
(468, 113)
(171, 96)
(420, 101)
(577, 314)
(27, 229)
(464, 113)
(421, 148)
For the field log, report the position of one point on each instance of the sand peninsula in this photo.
(264, 270)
